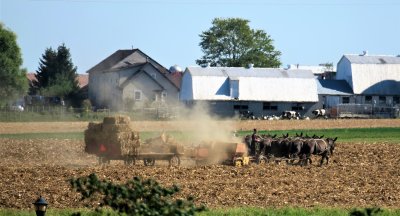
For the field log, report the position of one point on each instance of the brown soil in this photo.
(36, 127)
(358, 175)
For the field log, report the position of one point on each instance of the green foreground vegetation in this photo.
(288, 211)
(352, 135)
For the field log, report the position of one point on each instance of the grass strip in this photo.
(351, 135)
(285, 211)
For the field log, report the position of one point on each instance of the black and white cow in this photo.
(290, 115)
(320, 113)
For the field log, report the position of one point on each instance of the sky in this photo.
(307, 32)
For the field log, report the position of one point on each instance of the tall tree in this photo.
(13, 80)
(57, 74)
(231, 42)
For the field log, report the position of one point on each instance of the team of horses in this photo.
(298, 147)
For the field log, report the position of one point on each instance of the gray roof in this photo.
(368, 59)
(333, 87)
(124, 59)
(235, 72)
(111, 60)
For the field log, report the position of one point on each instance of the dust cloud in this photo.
(209, 128)
(213, 138)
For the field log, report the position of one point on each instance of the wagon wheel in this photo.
(175, 161)
(103, 160)
(129, 161)
(262, 160)
(149, 161)
(238, 163)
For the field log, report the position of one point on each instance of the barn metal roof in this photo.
(250, 72)
(333, 87)
(254, 84)
(373, 59)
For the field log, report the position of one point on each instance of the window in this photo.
(163, 96)
(155, 97)
(368, 99)
(268, 106)
(396, 99)
(297, 107)
(345, 100)
(382, 100)
(240, 107)
(138, 95)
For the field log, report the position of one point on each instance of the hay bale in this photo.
(114, 133)
(117, 120)
(162, 144)
(92, 137)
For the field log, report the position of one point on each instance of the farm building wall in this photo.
(233, 108)
(344, 71)
(102, 90)
(149, 86)
(371, 75)
(376, 79)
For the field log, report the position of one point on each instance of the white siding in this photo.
(186, 93)
(367, 75)
(206, 88)
(344, 71)
(259, 88)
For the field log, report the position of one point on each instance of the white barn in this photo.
(374, 78)
(263, 91)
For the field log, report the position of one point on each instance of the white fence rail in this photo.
(365, 111)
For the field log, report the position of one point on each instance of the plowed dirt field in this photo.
(359, 175)
(35, 127)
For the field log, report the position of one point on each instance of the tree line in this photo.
(229, 42)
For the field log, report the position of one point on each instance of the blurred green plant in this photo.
(375, 211)
(135, 197)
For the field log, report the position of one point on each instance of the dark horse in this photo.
(261, 143)
(323, 147)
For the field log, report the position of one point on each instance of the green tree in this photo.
(13, 80)
(57, 74)
(135, 197)
(232, 43)
(328, 66)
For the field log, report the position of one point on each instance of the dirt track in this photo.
(359, 175)
(35, 127)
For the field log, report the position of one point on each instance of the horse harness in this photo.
(323, 148)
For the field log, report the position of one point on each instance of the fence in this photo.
(60, 113)
(364, 111)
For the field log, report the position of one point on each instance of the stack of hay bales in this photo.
(115, 134)
(162, 144)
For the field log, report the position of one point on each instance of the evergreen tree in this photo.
(56, 76)
(13, 80)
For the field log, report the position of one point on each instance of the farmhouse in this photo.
(264, 91)
(130, 79)
(374, 79)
